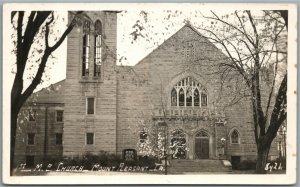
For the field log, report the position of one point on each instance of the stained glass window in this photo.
(234, 137)
(174, 97)
(203, 100)
(98, 49)
(86, 48)
(181, 97)
(189, 92)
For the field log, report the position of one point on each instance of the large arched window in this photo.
(189, 92)
(98, 49)
(234, 137)
(178, 144)
(86, 48)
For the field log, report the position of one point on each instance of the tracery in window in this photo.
(98, 49)
(86, 48)
(234, 137)
(189, 92)
(202, 134)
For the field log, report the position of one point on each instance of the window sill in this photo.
(93, 80)
(89, 115)
(90, 145)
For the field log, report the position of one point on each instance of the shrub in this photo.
(147, 161)
(246, 165)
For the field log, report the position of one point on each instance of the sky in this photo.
(158, 26)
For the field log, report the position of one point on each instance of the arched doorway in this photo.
(178, 145)
(202, 145)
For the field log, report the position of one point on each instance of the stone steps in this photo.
(192, 166)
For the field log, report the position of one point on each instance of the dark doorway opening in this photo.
(30, 161)
(235, 161)
(202, 148)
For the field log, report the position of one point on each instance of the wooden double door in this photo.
(202, 148)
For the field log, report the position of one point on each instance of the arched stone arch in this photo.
(175, 79)
(203, 144)
(194, 87)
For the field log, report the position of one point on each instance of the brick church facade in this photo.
(99, 105)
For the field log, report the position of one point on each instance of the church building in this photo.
(100, 105)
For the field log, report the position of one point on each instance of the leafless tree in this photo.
(254, 44)
(31, 28)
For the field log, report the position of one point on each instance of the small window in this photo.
(173, 97)
(58, 138)
(129, 154)
(59, 115)
(32, 115)
(89, 138)
(30, 138)
(90, 105)
(143, 136)
(203, 100)
(234, 137)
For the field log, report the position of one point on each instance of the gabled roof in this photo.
(187, 25)
(53, 94)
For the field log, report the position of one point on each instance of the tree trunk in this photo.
(262, 157)
(13, 130)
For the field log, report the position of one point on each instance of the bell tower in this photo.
(90, 94)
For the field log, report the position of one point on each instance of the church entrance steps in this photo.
(201, 165)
